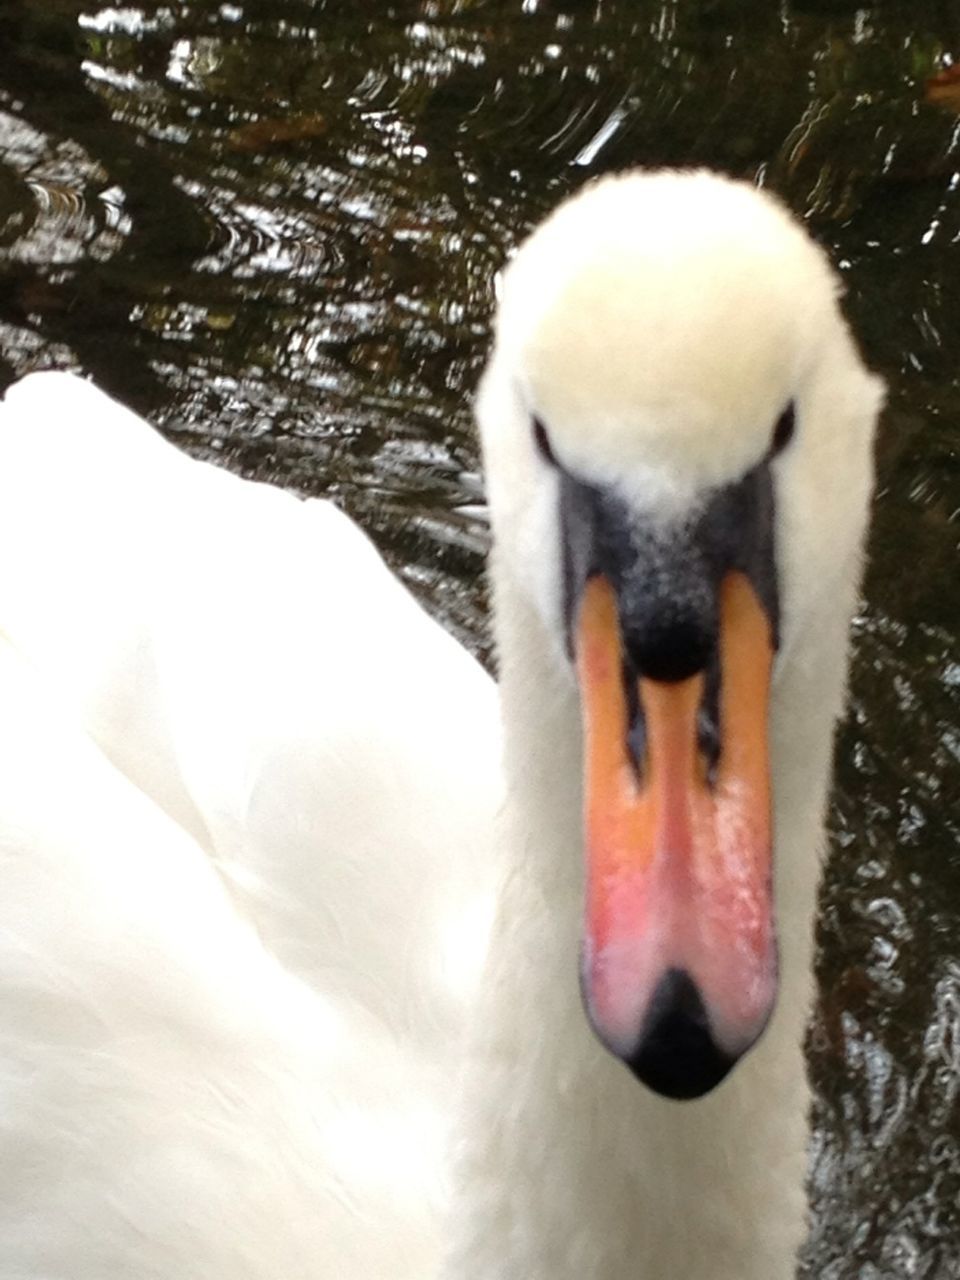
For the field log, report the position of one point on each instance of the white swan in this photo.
(186, 1097)
(652, 338)
(677, 437)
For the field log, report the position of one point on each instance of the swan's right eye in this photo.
(783, 431)
(542, 441)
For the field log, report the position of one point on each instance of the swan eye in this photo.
(542, 441)
(783, 431)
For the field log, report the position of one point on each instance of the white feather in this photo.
(234, 1034)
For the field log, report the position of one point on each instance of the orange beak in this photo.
(678, 862)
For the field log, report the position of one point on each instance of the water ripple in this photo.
(75, 213)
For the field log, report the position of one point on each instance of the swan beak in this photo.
(679, 968)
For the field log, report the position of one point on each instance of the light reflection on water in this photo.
(276, 233)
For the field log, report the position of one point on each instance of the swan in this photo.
(246, 832)
(677, 437)
(676, 429)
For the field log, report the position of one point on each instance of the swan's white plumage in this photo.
(249, 665)
(654, 335)
(657, 324)
(174, 1102)
(690, 310)
(248, 660)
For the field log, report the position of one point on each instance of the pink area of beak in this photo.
(678, 865)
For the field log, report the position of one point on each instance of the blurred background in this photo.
(274, 227)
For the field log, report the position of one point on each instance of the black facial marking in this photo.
(666, 578)
(736, 531)
(580, 559)
(783, 431)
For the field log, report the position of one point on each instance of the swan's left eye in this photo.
(542, 441)
(783, 431)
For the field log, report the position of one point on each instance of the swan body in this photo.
(651, 336)
(657, 339)
(248, 867)
(174, 1102)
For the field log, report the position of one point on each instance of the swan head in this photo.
(677, 434)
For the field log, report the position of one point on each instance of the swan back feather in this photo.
(247, 830)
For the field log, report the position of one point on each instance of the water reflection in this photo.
(275, 229)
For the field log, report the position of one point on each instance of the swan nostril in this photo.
(708, 721)
(636, 725)
(676, 1055)
(708, 742)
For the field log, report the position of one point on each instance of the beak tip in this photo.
(676, 1054)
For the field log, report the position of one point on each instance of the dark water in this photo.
(273, 227)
